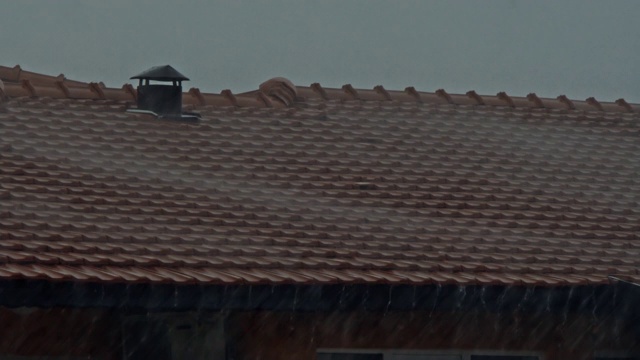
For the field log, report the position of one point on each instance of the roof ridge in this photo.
(280, 92)
(16, 74)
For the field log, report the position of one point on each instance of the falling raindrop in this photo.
(501, 298)
(175, 297)
(386, 309)
(483, 292)
(565, 311)
(413, 298)
(548, 307)
(594, 305)
(295, 300)
(461, 295)
(435, 300)
(294, 306)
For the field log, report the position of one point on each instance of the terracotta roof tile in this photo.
(294, 184)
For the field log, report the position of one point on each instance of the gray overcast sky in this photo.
(579, 48)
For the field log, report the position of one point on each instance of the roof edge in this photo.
(281, 92)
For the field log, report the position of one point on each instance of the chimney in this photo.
(163, 100)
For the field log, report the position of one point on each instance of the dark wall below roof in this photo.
(323, 298)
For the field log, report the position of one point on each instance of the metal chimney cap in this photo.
(161, 73)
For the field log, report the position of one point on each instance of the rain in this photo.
(262, 196)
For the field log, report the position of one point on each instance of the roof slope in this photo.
(293, 184)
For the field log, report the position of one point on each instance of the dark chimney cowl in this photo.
(163, 100)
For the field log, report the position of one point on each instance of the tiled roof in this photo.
(296, 184)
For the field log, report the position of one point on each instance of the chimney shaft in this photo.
(161, 99)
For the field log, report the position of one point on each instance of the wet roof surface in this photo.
(293, 184)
